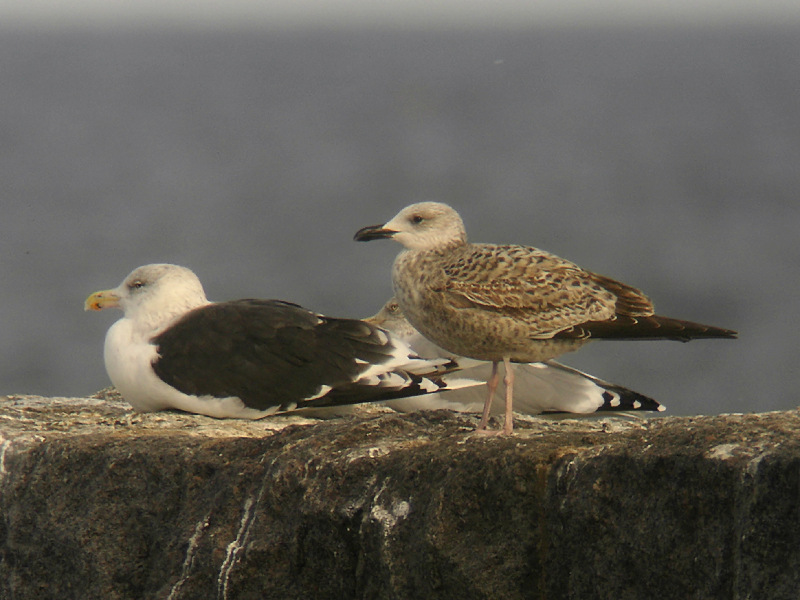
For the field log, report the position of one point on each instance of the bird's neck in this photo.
(155, 320)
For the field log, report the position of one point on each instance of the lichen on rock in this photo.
(99, 502)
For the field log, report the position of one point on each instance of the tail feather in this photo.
(655, 327)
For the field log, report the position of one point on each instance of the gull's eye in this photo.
(416, 219)
(136, 284)
(393, 306)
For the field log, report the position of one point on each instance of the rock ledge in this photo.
(100, 503)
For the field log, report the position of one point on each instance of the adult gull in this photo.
(173, 349)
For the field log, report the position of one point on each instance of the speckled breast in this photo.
(419, 286)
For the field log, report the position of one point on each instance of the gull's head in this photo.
(422, 226)
(153, 294)
(391, 318)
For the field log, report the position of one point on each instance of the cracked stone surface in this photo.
(99, 502)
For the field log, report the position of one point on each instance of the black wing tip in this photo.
(689, 330)
(656, 327)
(361, 393)
(728, 334)
(705, 332)
(623, 400)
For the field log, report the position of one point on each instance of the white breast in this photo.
(129, 358)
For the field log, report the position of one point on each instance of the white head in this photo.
(422, 226)
(391, 318)
(153, 295)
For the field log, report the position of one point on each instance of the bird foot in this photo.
(494, 432)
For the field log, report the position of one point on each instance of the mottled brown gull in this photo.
(510, 303)
(540, 388)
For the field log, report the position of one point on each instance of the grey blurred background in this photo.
(655, 143)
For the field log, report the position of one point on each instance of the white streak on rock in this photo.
(6, 443)
(189, 560)
(389, 518)
(233, 550)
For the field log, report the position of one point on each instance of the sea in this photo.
(664, 157)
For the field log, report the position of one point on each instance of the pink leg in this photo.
(508, 426)
(491, 385)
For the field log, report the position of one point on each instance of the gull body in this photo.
(510, 303)
(173, 349)
(540, 387)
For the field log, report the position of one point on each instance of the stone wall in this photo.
(99, 503)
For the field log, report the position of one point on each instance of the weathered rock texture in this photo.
(97, 503)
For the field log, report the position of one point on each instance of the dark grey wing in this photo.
(272, 354)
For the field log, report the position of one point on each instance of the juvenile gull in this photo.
(510, 303)
(545, 387)
(249, 358)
